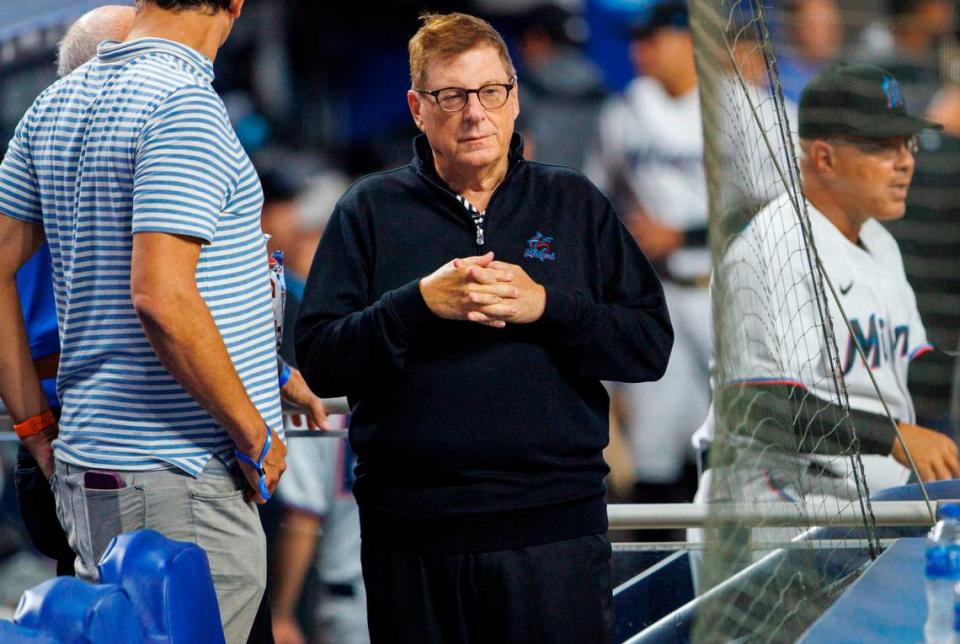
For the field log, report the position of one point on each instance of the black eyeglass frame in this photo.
(467, 92)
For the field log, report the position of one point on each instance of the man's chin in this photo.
(895, 210)
(478, 158)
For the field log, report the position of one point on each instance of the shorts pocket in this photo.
(109, 513)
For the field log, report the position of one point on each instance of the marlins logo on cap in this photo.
(859, 100)
(891, 88)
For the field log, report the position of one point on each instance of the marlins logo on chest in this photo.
(540, 247)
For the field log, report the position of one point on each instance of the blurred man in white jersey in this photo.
(857, 144)
(650, 162)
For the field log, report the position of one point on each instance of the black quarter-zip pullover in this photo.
(470, 438)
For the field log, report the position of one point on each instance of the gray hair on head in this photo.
(79, 44)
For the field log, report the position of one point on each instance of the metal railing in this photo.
(768, 515)
(660, 515)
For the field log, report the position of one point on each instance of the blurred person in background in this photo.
(280, 219)
(814, 36)
(919, 29)
(318, 527)
(319, 531)
(650, 161)
(751, 143)
(35, 289)
(469, 305)
(316, 201)
(945, 108)
(562, 89)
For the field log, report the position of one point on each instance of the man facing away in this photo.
(130, 169)
(478, 414)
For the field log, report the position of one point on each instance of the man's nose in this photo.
(473, 111)
(905, 158)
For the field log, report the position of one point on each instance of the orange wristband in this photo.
(34, 424)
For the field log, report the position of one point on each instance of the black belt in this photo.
(341, 590)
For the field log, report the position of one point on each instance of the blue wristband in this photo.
(258, 464)
(284, 374)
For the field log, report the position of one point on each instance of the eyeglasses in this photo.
(454, 99)
(880, 147)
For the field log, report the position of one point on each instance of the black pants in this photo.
(39, 512)
(262, 630)
(553, 593)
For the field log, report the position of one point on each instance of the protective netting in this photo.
(783, 440)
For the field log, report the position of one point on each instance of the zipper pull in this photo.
(479, 234)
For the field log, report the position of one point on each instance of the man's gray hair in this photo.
(79, 44)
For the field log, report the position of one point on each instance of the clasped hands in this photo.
(485, 291)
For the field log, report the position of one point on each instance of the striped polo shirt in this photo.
(136, 140)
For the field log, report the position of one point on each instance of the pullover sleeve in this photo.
(626, 336)
(341, 338)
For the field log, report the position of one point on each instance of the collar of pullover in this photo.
(423, 156)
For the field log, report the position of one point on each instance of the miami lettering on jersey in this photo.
(641, 157)
(879, 343)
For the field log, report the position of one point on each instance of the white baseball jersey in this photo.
(319, 480)
(777, 326)
(654, 142)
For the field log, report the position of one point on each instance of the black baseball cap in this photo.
(671, 13)
(859, 100)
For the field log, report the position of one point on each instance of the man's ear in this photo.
(413, 101)
(236, 7)
(823, 156)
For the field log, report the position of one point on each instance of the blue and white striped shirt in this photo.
(135, 141)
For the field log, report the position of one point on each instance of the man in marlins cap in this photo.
(857, 144)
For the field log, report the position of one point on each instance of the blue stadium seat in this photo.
(72, 611)
(11, 633)
(169, 584)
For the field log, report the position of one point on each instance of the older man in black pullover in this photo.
(479, 418)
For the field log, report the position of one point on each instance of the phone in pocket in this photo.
(102, 480)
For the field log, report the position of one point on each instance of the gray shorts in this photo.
(208, 510)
